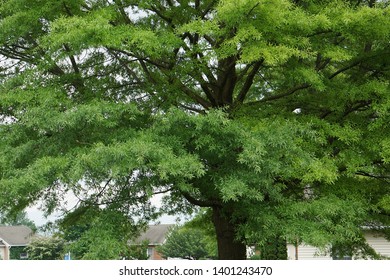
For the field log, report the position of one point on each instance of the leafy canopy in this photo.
(274, 113)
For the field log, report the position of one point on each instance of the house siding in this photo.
(379, 244)
(4, 253)
(306, 252)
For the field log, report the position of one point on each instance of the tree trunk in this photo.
(228, 247)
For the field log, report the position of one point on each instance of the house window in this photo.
(23, 256)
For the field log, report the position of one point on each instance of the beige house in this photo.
(306, 252)
(13, 236)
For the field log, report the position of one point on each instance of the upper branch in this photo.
(281, 95)
(249, 81)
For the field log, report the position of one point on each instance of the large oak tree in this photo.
(273, 114)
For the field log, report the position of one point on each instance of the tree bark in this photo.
(229, 248)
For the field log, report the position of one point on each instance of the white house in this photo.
(305, 252)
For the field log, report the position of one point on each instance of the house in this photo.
(156, 236)
(13, 237)
(305, 252)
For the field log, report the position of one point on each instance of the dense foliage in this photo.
(185, 244)
(98, 234)
(45, 248)
(272, 113)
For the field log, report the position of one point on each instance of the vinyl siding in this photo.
(378, 243)
(306, 252)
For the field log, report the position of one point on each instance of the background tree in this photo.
(184, 243)
(45, 248)
(273, 114)
(98, 234)
(137, 252)
(20, 219)
(202, 222)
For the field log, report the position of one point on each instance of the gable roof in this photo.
(15, 235)
(156, 234)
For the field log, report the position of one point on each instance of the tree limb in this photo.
(375, 176)
(72, 60)
(249, 81)
(344, 69)
(198, 202)
(279, 96)
(194, 96)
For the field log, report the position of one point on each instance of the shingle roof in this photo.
(15, 235)
(156, 234)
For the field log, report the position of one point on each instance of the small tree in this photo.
(45, 248)
(202, 222)
(184, 243)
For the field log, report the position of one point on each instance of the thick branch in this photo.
(249, 81)
(208, 93)
(192, 109)
(227, 78)
(198, 202)
(161, 15)
(194, 96)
